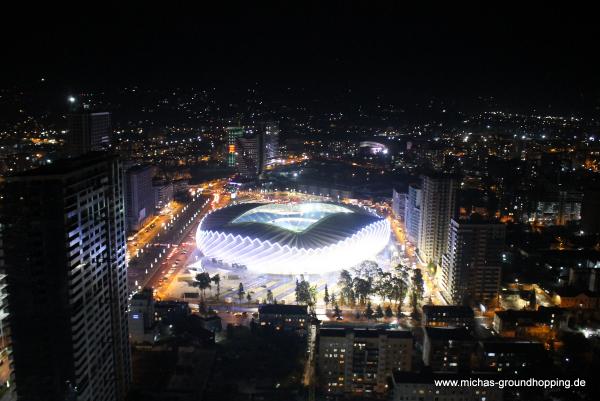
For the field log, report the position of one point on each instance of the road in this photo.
(143, 269)
(153, 228)
(431, 288)
(169, 252)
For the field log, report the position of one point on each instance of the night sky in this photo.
(539, 57)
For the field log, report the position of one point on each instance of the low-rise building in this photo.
(283, 317)
(448, 316)
(573, 298)
(540, 324)
(359, 362)
(448, 349)
(511, 357)
(141, 317)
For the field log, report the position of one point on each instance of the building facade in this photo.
(139, 196)
(163, 193)
(232, 134)
(286, 317)
(63, 253)
(141, 316)
(359, 362)
(412, 213)
(249, 156)
(270, 143)
(399, 203)
(448, 349)
(472, 264)
(88, 131)
(448, 316)
(438, 207)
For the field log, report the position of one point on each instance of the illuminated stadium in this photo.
(292, 238)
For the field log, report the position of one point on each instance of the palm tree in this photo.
(217, 280)
(241, 292)
(202, 282)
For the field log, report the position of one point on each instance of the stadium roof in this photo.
(303, 226)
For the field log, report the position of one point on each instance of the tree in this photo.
(303, 293)
(345, 284)
(399, 314)
(326, 297)
(399, 283)
(388, 312)
(297, 291)
(369, 311)
(217, 280)
(351, 298)
(202, 307)
(378, 312)
(383, 284)
(367, 269)
(333, 299)
(336, 311)
(417, 289)
(202, 282)
(362, 289)
(270, 296)
(241, 292)
(312, 298)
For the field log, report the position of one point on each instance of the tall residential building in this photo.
(88, 131)
(438, 206)
(472, 263)
(359, 361)
(233, 133)
(249, 156)
(412, 213)
(3, 306)
(270, 142)
(163, 193)
(63, 251)
(139, 196)
(399, 203)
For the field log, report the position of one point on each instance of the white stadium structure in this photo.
(292, 238)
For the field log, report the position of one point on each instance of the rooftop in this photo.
(449, 310)
(64, 166)
(363, 332)
(512, 346)
(448, 334)
(281, 309)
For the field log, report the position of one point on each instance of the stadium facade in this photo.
(292, 238)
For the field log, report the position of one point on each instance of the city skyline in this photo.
(343, 201)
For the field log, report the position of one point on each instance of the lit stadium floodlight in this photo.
(292, 238)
